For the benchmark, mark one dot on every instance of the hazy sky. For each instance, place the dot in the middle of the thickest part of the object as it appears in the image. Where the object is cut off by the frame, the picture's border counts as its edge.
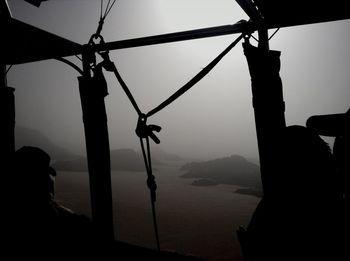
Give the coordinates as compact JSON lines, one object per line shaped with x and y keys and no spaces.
{"x":213,"y":119}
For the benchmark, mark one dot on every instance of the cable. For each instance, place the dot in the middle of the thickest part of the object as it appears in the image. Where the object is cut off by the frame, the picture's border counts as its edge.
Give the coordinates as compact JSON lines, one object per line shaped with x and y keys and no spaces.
{"x":101,"y":9}
{"x":127,"y":91}
{"x":104,"y":16}
{"x":78,"y":58}
{"x":110,"y":8}
{"x":8,"y":69}
{"x":61,"y":59}
{"x":102,"y":19}
{"x":257,"y":40}
{"x":274,"y":33}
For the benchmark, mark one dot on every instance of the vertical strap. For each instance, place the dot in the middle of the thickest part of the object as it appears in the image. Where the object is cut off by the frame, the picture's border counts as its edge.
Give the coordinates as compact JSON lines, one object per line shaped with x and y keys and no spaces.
{"x":151,"y":183}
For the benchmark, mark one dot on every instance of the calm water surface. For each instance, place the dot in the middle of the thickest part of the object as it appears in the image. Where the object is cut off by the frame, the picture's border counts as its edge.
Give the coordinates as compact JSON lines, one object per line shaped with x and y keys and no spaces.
{"x":192,"y":220}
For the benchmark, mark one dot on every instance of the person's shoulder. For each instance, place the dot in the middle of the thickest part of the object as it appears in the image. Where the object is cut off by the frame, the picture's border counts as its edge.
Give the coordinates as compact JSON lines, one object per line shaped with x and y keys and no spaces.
{"x":73,"y":228}
{"x":67,"y":215}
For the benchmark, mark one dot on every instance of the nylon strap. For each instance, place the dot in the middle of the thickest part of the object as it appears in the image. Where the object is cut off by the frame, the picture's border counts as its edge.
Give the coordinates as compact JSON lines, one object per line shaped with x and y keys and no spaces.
{"x":199,"y":76}
{"x":127,"y":91}
{"x":194,"y":80}
{"x":151,"y":183}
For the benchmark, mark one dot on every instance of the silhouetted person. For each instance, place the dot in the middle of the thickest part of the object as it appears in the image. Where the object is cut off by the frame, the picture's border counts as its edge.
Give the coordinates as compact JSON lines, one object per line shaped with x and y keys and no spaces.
{"x":297,"y":220}
{"x":338,"y":126}
{"x":37,"y":221}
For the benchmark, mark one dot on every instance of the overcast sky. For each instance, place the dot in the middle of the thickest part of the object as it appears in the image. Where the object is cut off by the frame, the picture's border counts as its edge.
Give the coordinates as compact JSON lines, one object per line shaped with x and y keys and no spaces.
{"x":215,"y":118}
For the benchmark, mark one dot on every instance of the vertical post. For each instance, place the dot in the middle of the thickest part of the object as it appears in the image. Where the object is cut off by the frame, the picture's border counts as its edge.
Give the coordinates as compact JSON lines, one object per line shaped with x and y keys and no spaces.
{"x":97,"y":149}
{"x":263,"y":38}
{"x":264,"y":66}
{"x":7,"y":118}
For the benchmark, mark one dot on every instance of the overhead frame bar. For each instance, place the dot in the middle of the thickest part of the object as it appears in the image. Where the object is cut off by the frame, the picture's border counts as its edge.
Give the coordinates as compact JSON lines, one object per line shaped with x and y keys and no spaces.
{"x":256,"y":23}
{"x":77,"y":49}
{"x":239,"y":27}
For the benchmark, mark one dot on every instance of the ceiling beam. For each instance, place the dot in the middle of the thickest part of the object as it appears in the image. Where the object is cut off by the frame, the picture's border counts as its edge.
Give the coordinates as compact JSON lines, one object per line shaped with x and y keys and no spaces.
{"x":250,"y":9}
{"x":239,"y":27}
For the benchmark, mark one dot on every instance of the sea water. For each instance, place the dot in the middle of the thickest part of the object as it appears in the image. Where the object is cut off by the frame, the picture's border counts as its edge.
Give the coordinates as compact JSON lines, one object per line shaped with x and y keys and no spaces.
{"x":200,"y":221}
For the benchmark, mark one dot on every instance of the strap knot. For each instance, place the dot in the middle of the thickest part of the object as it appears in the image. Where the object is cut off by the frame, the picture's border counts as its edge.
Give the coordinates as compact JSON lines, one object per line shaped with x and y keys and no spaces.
{"x":144,"y":131}
{"x":151,"y":184}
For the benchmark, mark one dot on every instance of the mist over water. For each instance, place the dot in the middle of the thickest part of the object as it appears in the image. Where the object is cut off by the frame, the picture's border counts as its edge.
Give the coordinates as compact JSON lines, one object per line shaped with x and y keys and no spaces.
{"x":192,"y":220}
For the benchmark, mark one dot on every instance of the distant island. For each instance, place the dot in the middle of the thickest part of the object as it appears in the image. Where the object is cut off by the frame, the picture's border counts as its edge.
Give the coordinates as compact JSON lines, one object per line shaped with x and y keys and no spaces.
{"x":257,"y":192}
{"x":162,"y":156}
{"x":233,"y":170}
{"x":65,"y":160}
{"x":204,"y":183}
{"x":30,"y":137}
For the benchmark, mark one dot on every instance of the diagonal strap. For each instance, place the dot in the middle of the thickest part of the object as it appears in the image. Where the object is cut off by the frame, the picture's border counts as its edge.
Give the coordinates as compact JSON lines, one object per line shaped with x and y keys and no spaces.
{"x":195,"y":79}
{"x":109,"y":66}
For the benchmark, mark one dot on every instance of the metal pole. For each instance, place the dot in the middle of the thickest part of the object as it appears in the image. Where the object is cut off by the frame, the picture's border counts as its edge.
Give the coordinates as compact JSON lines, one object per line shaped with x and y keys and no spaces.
{"x":98,"y":151}
{"x":263,"y":37}
{"x":268,"y":104}
{"x":7,"y":118}
{"x":239,"y":27}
